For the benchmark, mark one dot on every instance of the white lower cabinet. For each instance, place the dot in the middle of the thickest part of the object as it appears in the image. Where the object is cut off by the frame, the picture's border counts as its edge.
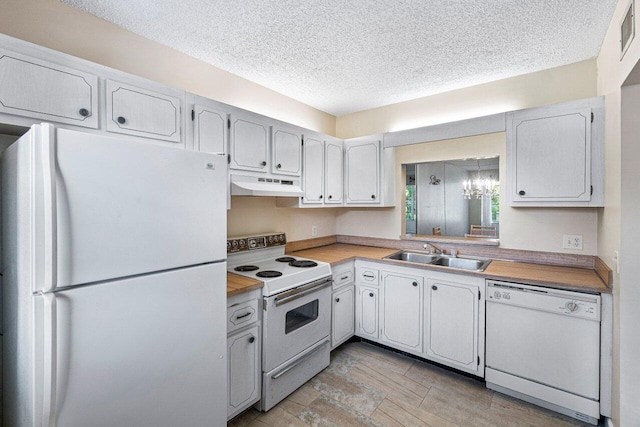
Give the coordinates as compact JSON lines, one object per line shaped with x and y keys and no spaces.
{"x":342,"y":326}
{"x":431,"y":314}
{"x":453,"y":333}
{"x":244,"y":353}
{"x":367,"y":312}
{"x":401,"y":310}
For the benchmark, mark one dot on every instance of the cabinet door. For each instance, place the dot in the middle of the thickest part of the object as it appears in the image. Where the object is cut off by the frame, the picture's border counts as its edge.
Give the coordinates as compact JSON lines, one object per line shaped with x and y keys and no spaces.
{"x":243,"y":359}
{"x":334,"y":187}
{"x":42,"y":90}
{"x":342,"y":326}
{"x":362,"y":169}
{"x":249,"y":143}
{"x":313,"y":171}
{"x":135,"y":111}
{"x":287,"y":147}
{"x":210,"y":129}
{"x":367,"y":312}
{"x":452,"y":324}
{"x":401,"y":313}
{"x":549,"y":151}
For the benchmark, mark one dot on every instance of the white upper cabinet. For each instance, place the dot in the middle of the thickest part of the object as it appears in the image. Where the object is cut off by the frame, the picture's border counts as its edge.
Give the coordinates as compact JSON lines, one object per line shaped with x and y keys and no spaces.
{"x":453,"y":322}
{"x":287,"y":149}
{"x":554,"y":155}
{"x":362,"y":171}
{"x":249,"y":142}
{"x":38,"y":89}
{"x":135,"y":111}
{"x":401,"y":310}
{"x":209,"y":129}
{"x":334,"y":170}
{"x":313,"y":170}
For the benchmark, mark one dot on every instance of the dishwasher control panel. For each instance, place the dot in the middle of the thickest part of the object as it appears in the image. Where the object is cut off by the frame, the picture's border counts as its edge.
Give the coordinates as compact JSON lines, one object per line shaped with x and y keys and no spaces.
{"x":575,"y":304}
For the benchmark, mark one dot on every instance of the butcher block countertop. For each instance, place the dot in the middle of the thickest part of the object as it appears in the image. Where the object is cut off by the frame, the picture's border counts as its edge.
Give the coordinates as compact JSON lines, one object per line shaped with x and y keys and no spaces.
{"x":239,"y":284}
{"x":569,"y":278}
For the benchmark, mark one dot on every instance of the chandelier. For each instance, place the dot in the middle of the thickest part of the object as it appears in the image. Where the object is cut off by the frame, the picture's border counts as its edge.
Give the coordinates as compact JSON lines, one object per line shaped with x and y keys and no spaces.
{"x":479,"y":187}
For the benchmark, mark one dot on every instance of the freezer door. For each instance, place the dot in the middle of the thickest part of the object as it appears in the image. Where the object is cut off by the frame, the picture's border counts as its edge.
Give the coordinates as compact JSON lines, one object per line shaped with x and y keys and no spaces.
{"x":125,"y":208}
{"x":148,"y":351}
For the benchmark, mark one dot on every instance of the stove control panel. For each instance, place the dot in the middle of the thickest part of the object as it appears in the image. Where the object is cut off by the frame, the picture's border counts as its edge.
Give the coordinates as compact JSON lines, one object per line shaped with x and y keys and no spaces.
{"x":248,"y":243}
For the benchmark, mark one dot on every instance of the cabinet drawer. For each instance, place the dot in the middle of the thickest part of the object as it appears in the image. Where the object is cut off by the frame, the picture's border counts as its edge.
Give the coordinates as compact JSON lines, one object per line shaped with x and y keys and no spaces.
{"x":342,"y":278}
{"x":241,"y":315}
{"x":135,"y":111}
{"x":41,"y":90}
{"x":368,"y":276}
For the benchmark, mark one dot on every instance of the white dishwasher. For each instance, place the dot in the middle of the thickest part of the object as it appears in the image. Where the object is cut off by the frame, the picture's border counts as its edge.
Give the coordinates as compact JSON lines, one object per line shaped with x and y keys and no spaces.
{"x":543,"y":346}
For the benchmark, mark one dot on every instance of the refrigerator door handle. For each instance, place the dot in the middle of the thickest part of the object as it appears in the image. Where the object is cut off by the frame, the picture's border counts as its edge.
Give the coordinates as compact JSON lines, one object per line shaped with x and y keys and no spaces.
{"x":50,"y":360}
{"x":48,"y":156}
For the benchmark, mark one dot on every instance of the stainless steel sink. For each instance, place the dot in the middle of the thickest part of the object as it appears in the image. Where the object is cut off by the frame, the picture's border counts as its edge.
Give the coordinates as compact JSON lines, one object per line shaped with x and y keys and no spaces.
{"x":414,"y":257}
{"x":462,"y":263}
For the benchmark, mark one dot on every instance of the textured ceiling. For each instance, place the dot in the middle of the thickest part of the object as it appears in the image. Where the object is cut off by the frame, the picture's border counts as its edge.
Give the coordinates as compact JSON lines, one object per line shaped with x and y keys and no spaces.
{"x":345,"y":56}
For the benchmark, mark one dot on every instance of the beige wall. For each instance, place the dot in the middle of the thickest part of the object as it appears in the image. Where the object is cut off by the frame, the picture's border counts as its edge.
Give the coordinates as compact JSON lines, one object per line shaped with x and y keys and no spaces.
{"x":560,"y":84}
{"x":520,"y":228}
{"x":55,"y":25}
{"x":249,"y":215}
{"x":612,"y":72}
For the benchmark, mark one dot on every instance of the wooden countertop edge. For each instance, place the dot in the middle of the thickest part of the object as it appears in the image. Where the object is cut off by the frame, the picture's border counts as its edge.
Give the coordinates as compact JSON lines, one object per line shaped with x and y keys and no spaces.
{"x":534,"y":281}
{"x":239,"y":284}
{"x":605,"y":273}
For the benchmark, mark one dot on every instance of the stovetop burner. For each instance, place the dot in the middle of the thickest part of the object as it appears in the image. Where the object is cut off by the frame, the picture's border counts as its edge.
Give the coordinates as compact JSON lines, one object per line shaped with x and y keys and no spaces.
{"x":285,"y":259}
{"x":304,"y":263}
{"x":269,"y":273}
{"x":246,"y":268}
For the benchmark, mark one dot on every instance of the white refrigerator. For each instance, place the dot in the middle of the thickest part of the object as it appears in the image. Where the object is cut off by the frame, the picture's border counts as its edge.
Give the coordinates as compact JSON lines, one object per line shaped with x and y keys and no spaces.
{"x":113,"y":283}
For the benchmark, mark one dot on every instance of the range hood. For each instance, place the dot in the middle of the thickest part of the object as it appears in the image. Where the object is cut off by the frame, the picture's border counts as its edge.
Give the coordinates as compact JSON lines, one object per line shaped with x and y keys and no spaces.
{"x":242,"y":185}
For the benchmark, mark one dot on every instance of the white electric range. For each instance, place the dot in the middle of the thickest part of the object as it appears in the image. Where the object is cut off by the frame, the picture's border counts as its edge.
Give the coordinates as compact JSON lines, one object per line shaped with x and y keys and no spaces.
{"x":296,"y":312}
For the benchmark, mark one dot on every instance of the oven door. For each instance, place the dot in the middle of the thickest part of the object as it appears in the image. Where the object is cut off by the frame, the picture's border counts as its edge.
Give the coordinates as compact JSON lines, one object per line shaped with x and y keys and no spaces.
{"x":294,"y":321}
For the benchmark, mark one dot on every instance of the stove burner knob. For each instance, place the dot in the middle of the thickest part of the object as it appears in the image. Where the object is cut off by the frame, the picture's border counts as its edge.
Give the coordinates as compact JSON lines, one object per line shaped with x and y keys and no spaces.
{"x":270,"y":239}
{"x":282,"y":237}
{"x":572,"y":306}
{"x":228,"y":245}
{"x":234,"y":243}
{"x":241,"y":243}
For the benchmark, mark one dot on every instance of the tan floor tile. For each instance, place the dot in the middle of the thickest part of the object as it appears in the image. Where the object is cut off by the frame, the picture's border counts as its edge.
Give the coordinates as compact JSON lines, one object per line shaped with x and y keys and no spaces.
{"x":434,"y":376}
{"x":367,"y":376}
{"x":245,"y":418}
{"x":385,"y":419}
{"x":403,"y":381}
{"x":291,"y":407}
{"x":257,"y":423}
{"x":325,"y":411}
{"x":423,"y":415}
{"x":278,"y":417}
{"x":401,"y":416}
{"x":459,"y":408}
{"x":304,"y":395}
{"x":364,"y":350}
{"x":357,"y":396}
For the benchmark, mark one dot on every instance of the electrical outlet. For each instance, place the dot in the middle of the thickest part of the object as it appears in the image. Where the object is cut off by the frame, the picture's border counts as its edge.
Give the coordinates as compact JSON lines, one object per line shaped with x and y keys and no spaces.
{"x":314,"y":230}
{"x":570,"y":241}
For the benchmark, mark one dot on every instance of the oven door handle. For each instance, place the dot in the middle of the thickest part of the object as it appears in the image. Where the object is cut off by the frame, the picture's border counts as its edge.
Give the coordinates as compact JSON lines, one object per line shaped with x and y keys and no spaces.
{"x":301,"y":358}
{"x":302,"y":291}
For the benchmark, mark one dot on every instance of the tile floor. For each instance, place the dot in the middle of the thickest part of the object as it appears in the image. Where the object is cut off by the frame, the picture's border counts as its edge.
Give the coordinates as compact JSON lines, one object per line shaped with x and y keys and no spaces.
{"x":366,"y":385}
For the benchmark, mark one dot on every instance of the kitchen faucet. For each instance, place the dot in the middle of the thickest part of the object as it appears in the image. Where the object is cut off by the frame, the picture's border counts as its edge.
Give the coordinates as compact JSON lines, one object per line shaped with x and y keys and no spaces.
{"x":432,"y":249}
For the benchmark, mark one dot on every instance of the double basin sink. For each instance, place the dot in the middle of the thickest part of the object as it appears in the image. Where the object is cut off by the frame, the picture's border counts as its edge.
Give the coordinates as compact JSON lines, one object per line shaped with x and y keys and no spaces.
{"x":462,"y":263}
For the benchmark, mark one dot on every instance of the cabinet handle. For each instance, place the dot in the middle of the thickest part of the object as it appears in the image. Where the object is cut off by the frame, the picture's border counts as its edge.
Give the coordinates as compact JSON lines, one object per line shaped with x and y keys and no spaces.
{"x":371,"y":294}
{"x":434,"y":287}
{"x":264,"y":163}
{"x":373,"y":196}
{"x":321,"y":196}
{"x":522,"y":192}
{"x":278,"y":166}
{"x":252,"y":339}
{"x":344,"y":277}
{"x":243,"y":316}
{"x":84,"y":112}
{"x":415,"y":283}
{"x":368,"y":276}
{"x":337,"y":299}
{"x":121,"y":120}
{"x":330,"y":197}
